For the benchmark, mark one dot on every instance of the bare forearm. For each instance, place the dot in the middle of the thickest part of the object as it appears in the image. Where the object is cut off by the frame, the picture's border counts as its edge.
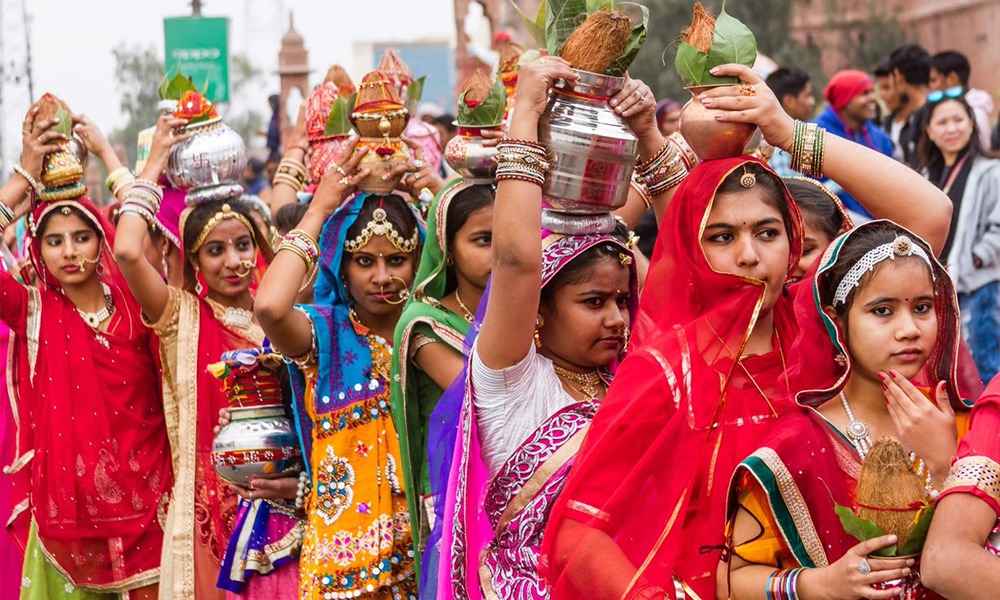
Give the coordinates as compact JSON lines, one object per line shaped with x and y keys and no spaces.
{"x":955,"y":561}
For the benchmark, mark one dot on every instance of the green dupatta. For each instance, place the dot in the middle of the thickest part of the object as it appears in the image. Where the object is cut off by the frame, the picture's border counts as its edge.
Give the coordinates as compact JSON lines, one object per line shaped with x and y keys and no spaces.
{"x":423,"y":313}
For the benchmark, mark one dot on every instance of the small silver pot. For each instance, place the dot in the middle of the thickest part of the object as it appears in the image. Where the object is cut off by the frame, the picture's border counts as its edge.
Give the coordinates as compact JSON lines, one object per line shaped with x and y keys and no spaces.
{"x":210,"y":164}
{"x":257,"y":442}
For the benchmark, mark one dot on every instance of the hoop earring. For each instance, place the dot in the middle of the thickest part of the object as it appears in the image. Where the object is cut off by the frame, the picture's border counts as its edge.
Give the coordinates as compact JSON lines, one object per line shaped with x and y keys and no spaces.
{"x":538,"y":339}
{"x":404,"y":294}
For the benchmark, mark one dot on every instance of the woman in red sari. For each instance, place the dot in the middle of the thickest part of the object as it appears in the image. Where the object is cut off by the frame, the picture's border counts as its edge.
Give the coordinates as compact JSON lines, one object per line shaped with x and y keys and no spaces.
{"x":92,"y":472}
{"x":644,"y":508}
{"x":211,"y":315}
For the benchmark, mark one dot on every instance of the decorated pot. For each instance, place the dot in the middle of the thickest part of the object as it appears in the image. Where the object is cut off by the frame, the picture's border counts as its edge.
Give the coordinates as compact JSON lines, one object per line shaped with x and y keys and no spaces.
{"x":472,"y":160}
{"x":708,"y":138}
{"x":592,"y":154}
{"x":383,"y":155}
{"x":908,"y":587}
{"x":209,"y":165}
{"x":62,"y":175}
{"x":258,"y":442}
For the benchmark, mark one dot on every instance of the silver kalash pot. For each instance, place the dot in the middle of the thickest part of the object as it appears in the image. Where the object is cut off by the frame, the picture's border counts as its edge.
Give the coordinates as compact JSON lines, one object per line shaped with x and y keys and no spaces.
{"x":472,"y":160}
{"x":210,"y":164}
{"x":257,"y":442}
{"x":592,"y":154}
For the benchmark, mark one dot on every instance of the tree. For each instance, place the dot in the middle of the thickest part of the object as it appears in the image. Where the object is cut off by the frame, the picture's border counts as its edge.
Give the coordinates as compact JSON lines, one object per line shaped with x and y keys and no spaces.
{"x":138,"y":72}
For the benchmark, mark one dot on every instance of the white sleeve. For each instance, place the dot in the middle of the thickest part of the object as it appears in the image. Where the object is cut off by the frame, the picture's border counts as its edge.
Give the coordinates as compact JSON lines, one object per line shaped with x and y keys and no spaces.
{"x":499,"y":389}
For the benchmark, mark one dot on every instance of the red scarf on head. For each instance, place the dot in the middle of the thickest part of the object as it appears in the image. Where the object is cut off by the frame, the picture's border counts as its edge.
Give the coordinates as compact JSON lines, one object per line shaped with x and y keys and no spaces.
{"x":650,"y":480}
{"x":90,"y":409}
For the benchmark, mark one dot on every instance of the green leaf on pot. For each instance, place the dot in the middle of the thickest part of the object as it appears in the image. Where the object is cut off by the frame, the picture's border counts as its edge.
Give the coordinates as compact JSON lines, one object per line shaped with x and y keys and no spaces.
{"x":860,"y":529}
{"x":562,"y":17}
{"x":172,"y":88}
{"x":535,"y":27}
{"x":596,"y":5}
{"x":339,"y":121}
{"x":414,"y":93}
{"x":733,"y":43}
{"x":918,"y":532}
{"x":690,"y":64}
{"x":490,"y":112}
{"x":639,"y":15}
{"x":65,"y":124}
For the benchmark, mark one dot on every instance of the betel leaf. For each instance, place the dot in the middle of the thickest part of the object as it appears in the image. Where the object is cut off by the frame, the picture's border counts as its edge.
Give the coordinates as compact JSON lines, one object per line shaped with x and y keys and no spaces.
{"x":414,"y":93}
{"x":639,"y":15}
{"x":690,"y":64}
{"x":339,"y":121}
{"x":918,"y":532}
{"x":562,"y":17}
{"x":65,"y":124}
{"x":733,"y":43}
{"x":490,"y":112}
{"x":172,"y":88}
{"x":535,"y":27}
{"x":860,"y":529}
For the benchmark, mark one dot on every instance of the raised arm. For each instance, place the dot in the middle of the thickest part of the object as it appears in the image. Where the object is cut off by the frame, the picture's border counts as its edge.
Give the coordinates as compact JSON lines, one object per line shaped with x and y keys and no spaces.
{"x":516,"y":282}
{"x":288,"y":329}
{"x":147,"y":286}
{"x":282,"y":193}
{"x":887,"y":188}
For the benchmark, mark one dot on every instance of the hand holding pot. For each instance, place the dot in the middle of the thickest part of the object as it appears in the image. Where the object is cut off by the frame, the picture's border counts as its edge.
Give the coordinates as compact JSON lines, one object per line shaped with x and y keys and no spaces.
{"x":340,"y":181}
{"x":534,"y":81}
{"x":750,"y":102}
{"x":636,"y":104}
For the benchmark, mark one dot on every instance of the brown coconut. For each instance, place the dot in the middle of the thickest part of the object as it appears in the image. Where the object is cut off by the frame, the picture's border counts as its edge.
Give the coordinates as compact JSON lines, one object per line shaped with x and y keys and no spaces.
{"x":510,"y":55}
{"x":477,"y":88}
{"x":339,"y":77}
{"x":598,"y":41}
{"x":701,"y":32}
{"x":889,"y":493}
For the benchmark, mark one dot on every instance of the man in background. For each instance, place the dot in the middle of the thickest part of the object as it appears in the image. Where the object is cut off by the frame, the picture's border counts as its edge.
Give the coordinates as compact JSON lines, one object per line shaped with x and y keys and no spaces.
{"x":793,"y":88}
{"x":911,"y":69}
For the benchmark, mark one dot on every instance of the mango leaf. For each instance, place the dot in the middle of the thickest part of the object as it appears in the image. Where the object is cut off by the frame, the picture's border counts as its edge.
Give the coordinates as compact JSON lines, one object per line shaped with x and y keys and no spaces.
{"x":639,"y":15}
{"x":690,"y":64}
{"x":535,"y":27}
{"x":339,"y":121}
{"x":563,"y":16}
{"x":65,"y":124}
{"x":172,"y":88}
{"x":861,"y":529}
{"x":918,"y":532}
{"x":490,"y":112}
{"x":733,"y":43}
{"x":596,"y":5}
{"x":414,"y":93}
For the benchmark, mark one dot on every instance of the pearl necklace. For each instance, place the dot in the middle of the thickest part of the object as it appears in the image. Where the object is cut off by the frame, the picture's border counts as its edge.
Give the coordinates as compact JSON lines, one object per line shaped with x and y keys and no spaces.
{"x":857,"y":430}
{"x":590,"y":383}
{"x":94,"y":319}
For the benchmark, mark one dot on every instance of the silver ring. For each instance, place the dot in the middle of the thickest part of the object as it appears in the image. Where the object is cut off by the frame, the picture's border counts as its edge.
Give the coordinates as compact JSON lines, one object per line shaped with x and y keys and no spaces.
{"x":25,"y":131}
{"x":340,"y":170}
{"x":864,"y":567}
{"x":419,"y":164}
{"x":39,"y":138}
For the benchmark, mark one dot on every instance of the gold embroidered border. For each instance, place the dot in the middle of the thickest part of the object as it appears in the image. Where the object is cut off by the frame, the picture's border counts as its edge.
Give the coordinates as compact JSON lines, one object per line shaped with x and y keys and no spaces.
{"x":796,"y":504}
{"x":979,"y":472}
{"x":139,"y":580}
{"x":33,"y":328}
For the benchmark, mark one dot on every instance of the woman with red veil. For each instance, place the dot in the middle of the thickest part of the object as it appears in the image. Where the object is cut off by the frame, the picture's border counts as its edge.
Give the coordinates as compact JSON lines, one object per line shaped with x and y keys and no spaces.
{"x":91,"y":475}
{"x":643,"y":512}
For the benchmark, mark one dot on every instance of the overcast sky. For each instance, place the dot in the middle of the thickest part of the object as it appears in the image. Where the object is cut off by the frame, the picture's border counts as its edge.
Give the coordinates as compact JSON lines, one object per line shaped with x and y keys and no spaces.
{"x":72,"y":40}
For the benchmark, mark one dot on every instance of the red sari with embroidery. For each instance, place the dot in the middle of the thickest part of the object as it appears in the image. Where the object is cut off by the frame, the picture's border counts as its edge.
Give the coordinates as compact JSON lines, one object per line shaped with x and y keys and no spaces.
{"x":645,"y":501}
{"x":92,"y":463}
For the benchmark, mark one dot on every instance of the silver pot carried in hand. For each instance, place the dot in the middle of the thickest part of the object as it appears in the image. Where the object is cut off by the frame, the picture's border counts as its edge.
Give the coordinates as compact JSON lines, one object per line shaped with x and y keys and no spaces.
{"x":257,"y":442}
{"x":592,"y":153}
{"x":210,"y":164}
{"x":472,"y":160}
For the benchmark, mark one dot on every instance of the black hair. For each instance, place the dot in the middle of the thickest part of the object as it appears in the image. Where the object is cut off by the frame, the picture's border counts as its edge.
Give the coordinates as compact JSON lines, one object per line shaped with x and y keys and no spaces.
{"x":787,"y":81}
{"x":913,"y":63}
{"x":463,"y":205}
{"x":884,"y":69}
{"x":950,"y":61}
{"x":816,"y":205}
{"x":578,"y":269}
{"x":195,"y":222}
{"x":77,"y":212}
{"x":853,"y":249}
{"x":774,"y":189}
{"x":928,"y":154}
{"x":447,"y":121}
{"x":397,"y":213}
{"x":288,"y":216}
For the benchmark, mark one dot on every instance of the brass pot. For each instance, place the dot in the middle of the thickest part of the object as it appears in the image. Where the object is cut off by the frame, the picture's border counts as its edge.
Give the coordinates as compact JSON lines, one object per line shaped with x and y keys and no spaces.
{"x":708,"y":138}
{"x":380,"y":162}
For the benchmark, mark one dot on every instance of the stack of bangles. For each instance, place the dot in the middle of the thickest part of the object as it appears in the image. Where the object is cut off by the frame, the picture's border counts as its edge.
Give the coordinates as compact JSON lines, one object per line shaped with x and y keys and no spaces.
{"x":521,"y":160}
{"x":143,"y":200}
{"x":292,"y":173}
{"x":6,"y":215}
{"x":781,"y":584}
{"x":118,"y":180}
{"x":302,"y":244}
{"x":664,"y":171}
{"x":808,"y":143}
{"x":34,"y":183}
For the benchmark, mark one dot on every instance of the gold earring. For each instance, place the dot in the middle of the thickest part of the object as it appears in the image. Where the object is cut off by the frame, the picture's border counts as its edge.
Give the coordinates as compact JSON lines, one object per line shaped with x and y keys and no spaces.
{"x":538,"y":339}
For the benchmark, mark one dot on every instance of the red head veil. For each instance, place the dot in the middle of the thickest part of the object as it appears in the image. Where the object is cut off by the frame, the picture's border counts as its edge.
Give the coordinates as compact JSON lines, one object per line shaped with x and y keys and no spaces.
{"x":646,"y":498}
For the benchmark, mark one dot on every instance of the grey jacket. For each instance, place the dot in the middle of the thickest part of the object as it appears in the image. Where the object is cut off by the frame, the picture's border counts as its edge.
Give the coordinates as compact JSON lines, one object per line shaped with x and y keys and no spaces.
{"x":978,"y":229}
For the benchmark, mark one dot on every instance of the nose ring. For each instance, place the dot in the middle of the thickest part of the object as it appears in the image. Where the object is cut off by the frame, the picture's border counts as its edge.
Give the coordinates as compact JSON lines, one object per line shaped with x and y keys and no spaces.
{"x":248,"y":266}
{"x":404,"y":292}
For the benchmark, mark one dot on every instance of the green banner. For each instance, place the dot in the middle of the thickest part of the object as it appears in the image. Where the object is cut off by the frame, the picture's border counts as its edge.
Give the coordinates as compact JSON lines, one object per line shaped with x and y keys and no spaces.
{"x":199,"y":47}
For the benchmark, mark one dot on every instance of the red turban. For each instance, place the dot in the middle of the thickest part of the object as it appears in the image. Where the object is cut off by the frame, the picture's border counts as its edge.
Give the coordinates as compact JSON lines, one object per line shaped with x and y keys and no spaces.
{"x":846,"y":85}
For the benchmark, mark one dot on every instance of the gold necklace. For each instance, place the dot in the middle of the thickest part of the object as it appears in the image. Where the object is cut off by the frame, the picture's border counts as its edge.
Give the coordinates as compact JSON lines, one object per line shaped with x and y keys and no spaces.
{"x":468,"y":313}
{"x":590,"y":383}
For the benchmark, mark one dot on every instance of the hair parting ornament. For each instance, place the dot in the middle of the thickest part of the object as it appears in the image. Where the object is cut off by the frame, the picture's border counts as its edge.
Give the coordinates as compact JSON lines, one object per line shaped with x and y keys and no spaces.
{"x":901,"y":246}
{"x":380,"y":225}
{"x":227,"y":212}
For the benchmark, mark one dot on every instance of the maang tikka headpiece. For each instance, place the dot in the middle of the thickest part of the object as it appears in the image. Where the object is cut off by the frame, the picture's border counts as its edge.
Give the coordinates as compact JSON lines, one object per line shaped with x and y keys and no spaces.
{"x":380,"y":225}
{"x":901,"y":246}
